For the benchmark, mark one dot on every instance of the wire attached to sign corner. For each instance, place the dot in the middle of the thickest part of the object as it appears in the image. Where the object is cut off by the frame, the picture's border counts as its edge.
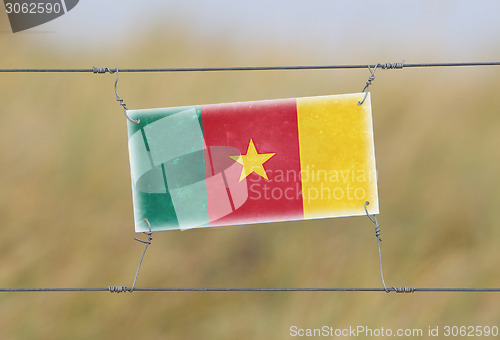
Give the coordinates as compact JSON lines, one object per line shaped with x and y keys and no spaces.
{"x":377,"y":234}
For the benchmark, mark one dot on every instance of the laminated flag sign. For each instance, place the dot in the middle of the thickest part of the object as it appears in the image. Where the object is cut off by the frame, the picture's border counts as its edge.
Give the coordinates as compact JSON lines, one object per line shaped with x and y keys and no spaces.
{"x":252,"y":162}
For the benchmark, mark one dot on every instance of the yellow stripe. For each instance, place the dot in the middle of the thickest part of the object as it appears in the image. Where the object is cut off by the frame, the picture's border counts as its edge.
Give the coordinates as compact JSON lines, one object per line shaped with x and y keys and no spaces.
{"x":337,"y":156}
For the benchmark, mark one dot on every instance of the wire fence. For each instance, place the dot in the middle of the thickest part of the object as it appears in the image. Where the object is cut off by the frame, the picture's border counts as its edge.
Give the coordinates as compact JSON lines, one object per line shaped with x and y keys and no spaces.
{"x":371,"y":67}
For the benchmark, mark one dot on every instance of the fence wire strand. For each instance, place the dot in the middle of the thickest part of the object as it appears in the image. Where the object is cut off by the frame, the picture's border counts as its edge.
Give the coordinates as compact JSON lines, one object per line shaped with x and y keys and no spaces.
{"x":398,"y":65}
{"x":173,"y":289}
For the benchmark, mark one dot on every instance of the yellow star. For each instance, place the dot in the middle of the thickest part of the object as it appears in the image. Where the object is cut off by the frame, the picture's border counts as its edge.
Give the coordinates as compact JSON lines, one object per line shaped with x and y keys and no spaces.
{"x":253,"y":161}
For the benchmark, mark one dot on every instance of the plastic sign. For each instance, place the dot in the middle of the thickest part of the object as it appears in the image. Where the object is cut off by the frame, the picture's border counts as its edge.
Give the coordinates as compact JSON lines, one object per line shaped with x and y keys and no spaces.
{"x":252,"y":162}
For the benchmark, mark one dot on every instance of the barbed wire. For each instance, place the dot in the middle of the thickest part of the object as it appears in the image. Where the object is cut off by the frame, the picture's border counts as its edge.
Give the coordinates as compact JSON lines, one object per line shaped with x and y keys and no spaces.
{"x":398,"y":65}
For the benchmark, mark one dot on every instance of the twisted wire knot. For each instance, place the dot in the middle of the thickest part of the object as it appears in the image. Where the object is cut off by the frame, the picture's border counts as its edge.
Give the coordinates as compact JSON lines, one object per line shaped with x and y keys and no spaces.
{"x":392,"y":66}
{"x":117,"y":289}
{"x":374,"y":220}
{"x":122,"y":103}
{"x":120,"y":100}
{"x":149,"y":234}
{"x":368,"y":83}
{"x":378,"y":232}
{"x":385,"y":66}
{"x":402,"y":289}
{"x":103,"y":70}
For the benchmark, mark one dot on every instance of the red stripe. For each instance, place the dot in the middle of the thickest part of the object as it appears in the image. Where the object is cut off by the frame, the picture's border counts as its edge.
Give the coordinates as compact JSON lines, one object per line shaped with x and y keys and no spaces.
{"x":272,"y":125}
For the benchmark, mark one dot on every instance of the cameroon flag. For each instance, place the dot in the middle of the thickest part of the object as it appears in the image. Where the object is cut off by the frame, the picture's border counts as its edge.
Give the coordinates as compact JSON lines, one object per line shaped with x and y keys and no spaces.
{"x":252,"y":162}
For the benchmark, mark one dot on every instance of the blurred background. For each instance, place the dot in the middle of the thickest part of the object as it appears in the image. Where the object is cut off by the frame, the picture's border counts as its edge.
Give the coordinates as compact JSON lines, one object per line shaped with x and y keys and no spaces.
{"x":65,"y":196}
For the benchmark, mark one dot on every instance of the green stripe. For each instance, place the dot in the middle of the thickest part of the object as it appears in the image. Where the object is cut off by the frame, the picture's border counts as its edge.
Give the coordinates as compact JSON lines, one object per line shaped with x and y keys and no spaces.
{"x":157,"y":207}
{"x":170,"y":187}
{"x":148,"y":116}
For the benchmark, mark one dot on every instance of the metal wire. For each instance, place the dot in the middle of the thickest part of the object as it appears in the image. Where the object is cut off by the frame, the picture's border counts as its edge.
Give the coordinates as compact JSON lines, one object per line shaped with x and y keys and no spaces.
{"x":117,"y":96}
{"x":173,"y":289}
{"x":251,"y":68}
{"x":365,"y":90}
{"x":377,"y":235}
{"x":147,"y":243}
